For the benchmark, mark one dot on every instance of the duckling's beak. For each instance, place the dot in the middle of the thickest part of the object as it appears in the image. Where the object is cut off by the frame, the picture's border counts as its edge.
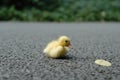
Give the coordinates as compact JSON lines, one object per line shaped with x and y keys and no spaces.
{"x":70,"y":46}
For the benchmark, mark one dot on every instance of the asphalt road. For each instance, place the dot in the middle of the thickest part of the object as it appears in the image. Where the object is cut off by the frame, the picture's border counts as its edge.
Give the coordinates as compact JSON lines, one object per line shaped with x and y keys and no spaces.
{"x":21,"y":56}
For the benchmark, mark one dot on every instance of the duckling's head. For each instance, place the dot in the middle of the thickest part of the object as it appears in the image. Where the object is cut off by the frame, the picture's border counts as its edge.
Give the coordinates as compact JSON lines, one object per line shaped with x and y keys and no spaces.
{"x":64,"y":41}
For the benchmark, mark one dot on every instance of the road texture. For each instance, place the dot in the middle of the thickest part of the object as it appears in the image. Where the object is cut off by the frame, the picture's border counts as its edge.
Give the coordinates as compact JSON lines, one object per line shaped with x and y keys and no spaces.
{"x":21,"y":56}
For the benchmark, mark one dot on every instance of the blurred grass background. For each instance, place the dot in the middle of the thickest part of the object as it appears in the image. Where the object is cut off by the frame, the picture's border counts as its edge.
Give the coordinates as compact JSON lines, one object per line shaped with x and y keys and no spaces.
{"x":60,"y":10}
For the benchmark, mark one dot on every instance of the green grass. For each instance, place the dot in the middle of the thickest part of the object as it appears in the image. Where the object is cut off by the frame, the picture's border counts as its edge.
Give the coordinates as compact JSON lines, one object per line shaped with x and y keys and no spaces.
{"x":62,"y":11}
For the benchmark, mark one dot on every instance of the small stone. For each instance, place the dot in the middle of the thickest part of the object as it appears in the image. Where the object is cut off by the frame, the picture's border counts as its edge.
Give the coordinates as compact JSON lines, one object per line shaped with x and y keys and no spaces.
{"x":103,"y":62}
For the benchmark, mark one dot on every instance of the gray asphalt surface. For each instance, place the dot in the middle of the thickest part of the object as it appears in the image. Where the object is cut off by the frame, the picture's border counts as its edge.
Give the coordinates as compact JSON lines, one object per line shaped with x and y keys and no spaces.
{"x":21,"y":56}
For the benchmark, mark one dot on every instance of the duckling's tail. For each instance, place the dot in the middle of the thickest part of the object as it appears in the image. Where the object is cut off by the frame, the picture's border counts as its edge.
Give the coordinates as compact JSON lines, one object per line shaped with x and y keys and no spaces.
{"x":45,"y":51}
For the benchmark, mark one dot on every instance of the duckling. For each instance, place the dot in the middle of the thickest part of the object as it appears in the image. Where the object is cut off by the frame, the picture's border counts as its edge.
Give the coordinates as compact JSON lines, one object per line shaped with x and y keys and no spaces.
{"x":58,"y":48}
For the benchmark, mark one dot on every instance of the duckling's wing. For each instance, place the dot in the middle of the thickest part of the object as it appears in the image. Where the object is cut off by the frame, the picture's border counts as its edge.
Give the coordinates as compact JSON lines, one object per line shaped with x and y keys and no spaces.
{"x":49,"y":46}
{"x":56,"y":52}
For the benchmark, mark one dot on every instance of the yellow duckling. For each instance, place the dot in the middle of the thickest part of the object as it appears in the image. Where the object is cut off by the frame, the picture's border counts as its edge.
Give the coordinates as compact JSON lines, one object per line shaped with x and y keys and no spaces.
{"x":58,"y":48}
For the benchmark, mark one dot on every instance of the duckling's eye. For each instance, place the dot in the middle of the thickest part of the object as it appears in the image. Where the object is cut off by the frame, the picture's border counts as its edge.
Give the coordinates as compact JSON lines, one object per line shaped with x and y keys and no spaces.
{"x":66,"y":41}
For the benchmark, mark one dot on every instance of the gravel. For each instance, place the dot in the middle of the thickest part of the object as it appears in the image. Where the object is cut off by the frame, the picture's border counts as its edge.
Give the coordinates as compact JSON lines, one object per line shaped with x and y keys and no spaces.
{"x":21,"y":56}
